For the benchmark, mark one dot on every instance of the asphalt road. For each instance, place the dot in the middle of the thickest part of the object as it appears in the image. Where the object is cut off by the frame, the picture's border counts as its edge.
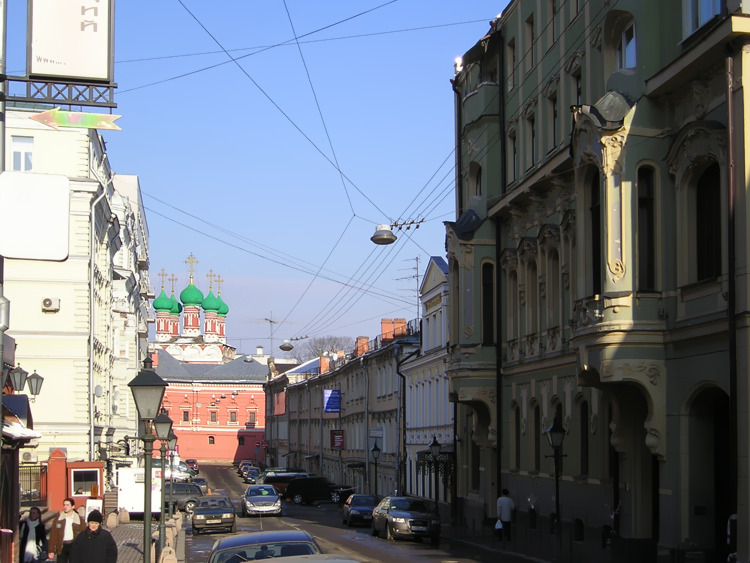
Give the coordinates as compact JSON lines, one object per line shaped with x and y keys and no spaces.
{"x":323,"y":521}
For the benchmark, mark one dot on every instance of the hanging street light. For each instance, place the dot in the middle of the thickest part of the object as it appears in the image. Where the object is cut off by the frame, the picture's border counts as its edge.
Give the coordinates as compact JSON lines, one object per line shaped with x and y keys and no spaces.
{"x":383,"y":235}
{"x":18,"y":377}
{"x":555,"y":435}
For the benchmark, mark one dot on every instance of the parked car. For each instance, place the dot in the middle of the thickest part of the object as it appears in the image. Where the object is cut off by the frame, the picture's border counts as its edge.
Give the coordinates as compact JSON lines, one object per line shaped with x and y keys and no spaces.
{"x":251,"y":475}
{"x":262,"y":545}
{"x":184,"y":495}
{"x":202,"y":483}
{"x":279,"y":480}
{"x":242,"y":464}
{"x":304,"y":490}
{"x":213,"y":512}
{"x":261,"y":499}
{"x":193,"y":464}
{"x":357,"y":509}
{"x":405,"y":517}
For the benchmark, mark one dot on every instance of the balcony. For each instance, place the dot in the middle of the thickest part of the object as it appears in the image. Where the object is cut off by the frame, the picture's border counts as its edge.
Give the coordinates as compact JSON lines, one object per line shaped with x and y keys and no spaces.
{"x":484,"y":101}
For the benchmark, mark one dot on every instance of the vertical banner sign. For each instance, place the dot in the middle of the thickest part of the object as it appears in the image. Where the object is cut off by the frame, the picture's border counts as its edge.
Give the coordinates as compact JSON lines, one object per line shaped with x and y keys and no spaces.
{"x":332,"y":400}
{"x":71,"y":39}
{"x":337,"y":439}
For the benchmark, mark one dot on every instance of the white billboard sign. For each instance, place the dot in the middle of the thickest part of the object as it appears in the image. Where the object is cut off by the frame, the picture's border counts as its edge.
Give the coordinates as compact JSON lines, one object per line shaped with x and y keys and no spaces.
{"x":36,"y":216}
{"x":70,"y":39}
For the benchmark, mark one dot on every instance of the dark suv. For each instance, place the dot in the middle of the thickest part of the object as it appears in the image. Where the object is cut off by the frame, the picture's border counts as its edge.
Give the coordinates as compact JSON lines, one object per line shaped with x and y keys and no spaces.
{"x":184,"y":495}
{"x":310,"y":489}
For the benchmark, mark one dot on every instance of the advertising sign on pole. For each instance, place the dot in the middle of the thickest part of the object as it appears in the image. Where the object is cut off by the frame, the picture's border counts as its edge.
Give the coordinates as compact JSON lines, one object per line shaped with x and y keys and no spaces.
{"x":337,"y":439}
{"x":332,"y":400}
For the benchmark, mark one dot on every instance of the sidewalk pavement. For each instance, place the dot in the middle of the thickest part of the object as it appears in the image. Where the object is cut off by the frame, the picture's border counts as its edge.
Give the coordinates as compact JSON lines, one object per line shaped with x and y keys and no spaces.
{"x":129,"y":539}
{"x":486,"y":539}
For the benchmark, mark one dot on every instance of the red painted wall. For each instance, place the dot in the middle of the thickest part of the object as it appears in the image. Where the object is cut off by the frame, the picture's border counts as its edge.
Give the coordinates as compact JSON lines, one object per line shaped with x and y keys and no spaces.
{"x":233,"y":417}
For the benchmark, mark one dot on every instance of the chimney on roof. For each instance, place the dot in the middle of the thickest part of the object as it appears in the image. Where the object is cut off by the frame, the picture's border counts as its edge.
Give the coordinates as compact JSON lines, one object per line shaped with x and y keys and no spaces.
{"x":259,"y":350}
{"x":392,"y":328}
{"x":325,"y":363}
{"x":362,"y":346}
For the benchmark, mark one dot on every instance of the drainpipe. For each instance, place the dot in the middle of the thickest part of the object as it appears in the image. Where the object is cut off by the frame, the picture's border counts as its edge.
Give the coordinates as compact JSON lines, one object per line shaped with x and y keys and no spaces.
{"x":731,"y":297}
{"x":498,"y":277}
{"x":92,"y":235}
{"x":401,"y":418}
{"x":367,"y":423}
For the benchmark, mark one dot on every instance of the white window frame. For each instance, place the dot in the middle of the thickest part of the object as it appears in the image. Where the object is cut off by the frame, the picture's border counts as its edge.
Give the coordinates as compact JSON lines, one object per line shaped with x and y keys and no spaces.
{"x":22,"y":150}
{"x":627,"y":48}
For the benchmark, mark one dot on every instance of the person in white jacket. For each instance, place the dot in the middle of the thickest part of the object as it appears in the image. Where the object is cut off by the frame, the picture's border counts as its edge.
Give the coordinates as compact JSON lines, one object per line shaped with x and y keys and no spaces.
{"x":505,"y":508}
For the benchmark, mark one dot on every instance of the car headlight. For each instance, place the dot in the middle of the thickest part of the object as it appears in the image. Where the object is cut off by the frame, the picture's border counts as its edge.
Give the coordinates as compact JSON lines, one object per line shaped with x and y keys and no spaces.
{"x":228,"y":515}
{"x":400,"y":520}
{"x":354,"y":512}
{"x":278,"y":502}
{"x":199,"y":517}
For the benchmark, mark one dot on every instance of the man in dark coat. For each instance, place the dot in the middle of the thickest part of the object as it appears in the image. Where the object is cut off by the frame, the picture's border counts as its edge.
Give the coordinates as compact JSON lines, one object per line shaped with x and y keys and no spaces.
{"x":94,"y":544}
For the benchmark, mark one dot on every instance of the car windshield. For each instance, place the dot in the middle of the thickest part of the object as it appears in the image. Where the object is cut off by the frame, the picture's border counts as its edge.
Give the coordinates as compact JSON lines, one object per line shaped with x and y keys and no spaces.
{"x":409,"y":505}
{"x":261,"y":491}
{"x":265,"y":551}
{"x":214,"y":503}
{"x":363,"y":501}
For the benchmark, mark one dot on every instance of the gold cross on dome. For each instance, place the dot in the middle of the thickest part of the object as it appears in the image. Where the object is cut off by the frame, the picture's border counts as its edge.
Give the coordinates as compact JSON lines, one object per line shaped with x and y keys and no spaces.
{"x":192,"y":261}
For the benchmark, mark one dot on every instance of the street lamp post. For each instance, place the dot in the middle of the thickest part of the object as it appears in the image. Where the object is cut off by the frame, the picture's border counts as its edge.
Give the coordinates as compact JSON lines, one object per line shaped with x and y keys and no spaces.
{"x":148,"y":390}
{"x":435,"y":451}
{"x":172,"y":446}
{"x":163,"y":426}
{"x":375,"y":451}
{"x":555,"y":435}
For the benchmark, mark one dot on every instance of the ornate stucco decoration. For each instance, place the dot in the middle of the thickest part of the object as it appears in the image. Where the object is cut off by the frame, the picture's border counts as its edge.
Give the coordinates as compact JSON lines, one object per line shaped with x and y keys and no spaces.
{"x":527,"y":250}
{"x":569,"y":385}
{"x":549,"y":238}
{"x":482,"y":402}
{"x":649,"y":375}
{"x":588,"y":312}
{"x":573,"y":65}
{"x":568,"y":226}
{"x":694,"y":145}
{"x":528,"y":109}
{"x":509,"y":260}
{"x":550,"y":87}
{"x":700,"y":97}
{"x":612,"y":155}
{"x":470,"y":146}
{"x":510,"y":126}
{"x":596,"y":38}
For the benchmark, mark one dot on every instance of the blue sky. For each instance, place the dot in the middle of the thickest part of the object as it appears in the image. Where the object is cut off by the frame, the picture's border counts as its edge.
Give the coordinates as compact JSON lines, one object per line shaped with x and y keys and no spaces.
{"x":274,"y":168}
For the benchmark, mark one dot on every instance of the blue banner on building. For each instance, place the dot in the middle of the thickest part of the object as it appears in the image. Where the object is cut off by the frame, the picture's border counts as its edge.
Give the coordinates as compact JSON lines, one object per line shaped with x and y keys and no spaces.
{"x":332,"y":400}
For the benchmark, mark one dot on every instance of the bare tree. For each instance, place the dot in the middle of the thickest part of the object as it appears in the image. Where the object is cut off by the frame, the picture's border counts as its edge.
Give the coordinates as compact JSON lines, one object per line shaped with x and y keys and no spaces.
{"x":310,"y":348}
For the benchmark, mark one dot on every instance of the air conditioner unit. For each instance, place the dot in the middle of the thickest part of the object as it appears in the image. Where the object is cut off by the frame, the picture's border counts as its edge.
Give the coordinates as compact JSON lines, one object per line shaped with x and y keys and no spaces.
{"x":29,"y":457}
{"x":50,"y":304}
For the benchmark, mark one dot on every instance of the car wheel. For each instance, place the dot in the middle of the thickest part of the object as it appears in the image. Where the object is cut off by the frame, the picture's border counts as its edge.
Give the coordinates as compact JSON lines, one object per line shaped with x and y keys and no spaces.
{"x":335,"y":496}
{"x":297,"y":499}
{"x":190,"y":506}
{"x":388,"y":534}
{"x":374,"y":532}
{"x":435,"y":540}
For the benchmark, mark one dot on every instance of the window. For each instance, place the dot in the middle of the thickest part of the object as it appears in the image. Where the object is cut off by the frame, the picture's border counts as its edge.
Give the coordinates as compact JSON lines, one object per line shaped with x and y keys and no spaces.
{"x":211,"y":440}
{"x":85,"y":482}
{"x":530,"y":44}
{"x":530,"y":141}
{"x":646,"y":236}
{"x":22,"y":149}
{"x":488,"y":304}
{"x":532,"y":302}
{"x":241,"y":440}
{"x":552,"y":10}
{"x":626,"y":48}
{"x":595,"y":236}
{"x":579,"y":5}
{"x":511,"y":64}
{"x":697,"y":13}
{"x":251,"y":418}
{"x":584,"y":437}
{"x":512,"y":158}
{"x":555,"y":115}
{"x":708,"y":224}
{"x":232,"y":416}
{"x":579,"y":89}
{"x":517,"y":437}
{"x":536,"y":435}
{"x":185,"y":416}
{"x":213,"y":416}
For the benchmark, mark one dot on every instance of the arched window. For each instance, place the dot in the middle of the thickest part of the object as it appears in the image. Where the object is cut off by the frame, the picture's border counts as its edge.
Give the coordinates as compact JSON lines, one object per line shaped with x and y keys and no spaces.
{"x":211,"y":440}
{"x":583,"y":437}
{"x":553,"y":289}
{"x":488,"y":304}
{"x":708,"y":224}
{"x":517,"y":437}
{"x":532,"y":300}
{"x":646,"y":230}
{"x":595,"y":234}
{"x":537,"y":438}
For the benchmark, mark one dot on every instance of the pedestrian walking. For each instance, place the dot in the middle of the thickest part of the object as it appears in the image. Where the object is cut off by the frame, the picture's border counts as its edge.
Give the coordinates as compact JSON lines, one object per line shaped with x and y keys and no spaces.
{"x":33,"y":546}
{"x":94,"y":544}
{"x":64,"y":530}
{"x":505,"y":509}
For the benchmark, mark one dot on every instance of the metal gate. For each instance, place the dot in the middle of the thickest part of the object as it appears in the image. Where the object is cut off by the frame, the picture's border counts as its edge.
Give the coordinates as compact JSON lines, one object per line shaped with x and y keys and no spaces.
{"x":33,"y":482}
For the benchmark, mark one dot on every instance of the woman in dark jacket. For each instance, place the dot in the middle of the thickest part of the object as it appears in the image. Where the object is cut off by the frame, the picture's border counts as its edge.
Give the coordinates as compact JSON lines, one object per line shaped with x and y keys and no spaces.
{"x":33,"y":546}
{"x":94,"y":544}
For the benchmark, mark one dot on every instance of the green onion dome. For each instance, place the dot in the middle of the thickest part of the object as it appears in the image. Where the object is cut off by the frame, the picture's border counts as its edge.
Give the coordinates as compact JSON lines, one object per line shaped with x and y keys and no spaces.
{"x":176,"y":306}
{"x":223,"y":308}
{"x":211,"y":304}
{"x":162,"y":303}
{"x":191,"y":295}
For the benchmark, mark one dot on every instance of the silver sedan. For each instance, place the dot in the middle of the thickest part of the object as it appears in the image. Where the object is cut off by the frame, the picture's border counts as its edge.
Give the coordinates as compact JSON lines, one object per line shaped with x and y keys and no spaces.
{"x":261,"y":499}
